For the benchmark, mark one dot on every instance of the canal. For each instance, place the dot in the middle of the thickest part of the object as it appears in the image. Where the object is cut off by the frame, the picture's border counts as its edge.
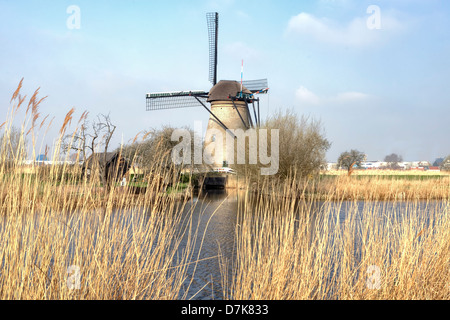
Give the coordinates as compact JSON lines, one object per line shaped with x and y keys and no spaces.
{"x":216,"y":214}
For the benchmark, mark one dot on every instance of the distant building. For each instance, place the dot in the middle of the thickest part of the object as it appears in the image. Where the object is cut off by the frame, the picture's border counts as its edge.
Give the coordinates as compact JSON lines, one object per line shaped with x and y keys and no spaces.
{"x":42,"y":157}
{"x":438,"y":162}
{"x":404,"y":165}
{"x":373,"y":164}
{"x":424,"y":164}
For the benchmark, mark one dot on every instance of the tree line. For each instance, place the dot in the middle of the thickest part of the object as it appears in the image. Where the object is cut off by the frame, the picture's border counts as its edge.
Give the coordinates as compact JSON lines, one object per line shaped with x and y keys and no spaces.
{"x":352,"y":159}
{"x":302,"y":146}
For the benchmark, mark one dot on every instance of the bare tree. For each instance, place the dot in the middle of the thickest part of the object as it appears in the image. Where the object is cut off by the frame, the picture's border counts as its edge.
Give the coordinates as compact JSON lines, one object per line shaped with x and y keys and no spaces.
{"x":103,"y":129}
{"x":79,"y":140}
{"x":349,"y":159}
{"x":92,"y":138}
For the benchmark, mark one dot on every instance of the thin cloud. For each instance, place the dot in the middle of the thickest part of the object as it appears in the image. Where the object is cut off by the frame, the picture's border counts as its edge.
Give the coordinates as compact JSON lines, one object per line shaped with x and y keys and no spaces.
{"x":303,"y":95}
{"x":307,"y":97}
{"x":355,"y":33}
{"x":350,"y":97}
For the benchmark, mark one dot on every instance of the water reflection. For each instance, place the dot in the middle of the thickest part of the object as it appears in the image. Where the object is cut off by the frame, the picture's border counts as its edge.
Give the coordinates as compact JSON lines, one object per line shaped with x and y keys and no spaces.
{"x":215,"y":213}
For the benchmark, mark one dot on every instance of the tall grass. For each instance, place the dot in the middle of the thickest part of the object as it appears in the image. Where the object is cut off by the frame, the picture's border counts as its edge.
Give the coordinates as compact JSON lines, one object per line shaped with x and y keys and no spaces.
{"x":57,"y":226}
{"x":294,"y":249}
{"x":379,"y":187}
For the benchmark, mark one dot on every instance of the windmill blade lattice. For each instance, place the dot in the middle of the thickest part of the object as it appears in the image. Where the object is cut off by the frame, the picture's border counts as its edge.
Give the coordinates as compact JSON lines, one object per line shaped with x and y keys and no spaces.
{"x":174,"y":100}
{"x":213,"y":30}
{"x":256,"y":86}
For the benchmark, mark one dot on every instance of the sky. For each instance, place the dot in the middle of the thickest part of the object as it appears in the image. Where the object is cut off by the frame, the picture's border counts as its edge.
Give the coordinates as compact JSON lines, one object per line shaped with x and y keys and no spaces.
{"x":374,"y":73}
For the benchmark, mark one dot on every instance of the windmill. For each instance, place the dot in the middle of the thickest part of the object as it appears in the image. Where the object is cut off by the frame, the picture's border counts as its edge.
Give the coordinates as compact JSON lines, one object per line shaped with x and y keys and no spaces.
{"x":230,"y":101}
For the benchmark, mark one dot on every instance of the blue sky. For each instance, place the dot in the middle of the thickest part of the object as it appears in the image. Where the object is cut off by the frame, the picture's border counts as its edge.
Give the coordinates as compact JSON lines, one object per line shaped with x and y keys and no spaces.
{"x":379,"y":90}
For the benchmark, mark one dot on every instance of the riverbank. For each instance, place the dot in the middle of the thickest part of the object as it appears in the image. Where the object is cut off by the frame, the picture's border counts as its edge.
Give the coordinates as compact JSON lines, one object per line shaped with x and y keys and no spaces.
{"x":135,"y":243}
{"x":382,"y":187}
{"x":363,"y":186}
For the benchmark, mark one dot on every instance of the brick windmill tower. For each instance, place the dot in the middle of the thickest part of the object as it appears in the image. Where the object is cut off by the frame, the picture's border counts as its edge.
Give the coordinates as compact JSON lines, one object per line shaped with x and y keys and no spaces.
{"x":230,"y":101}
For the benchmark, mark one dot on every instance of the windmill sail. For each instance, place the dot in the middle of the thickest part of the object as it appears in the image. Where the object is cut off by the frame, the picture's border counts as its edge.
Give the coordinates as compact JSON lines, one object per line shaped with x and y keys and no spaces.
{"x":213,"y":29}
{"x":176,"y":99}
{"x":256,"y":86}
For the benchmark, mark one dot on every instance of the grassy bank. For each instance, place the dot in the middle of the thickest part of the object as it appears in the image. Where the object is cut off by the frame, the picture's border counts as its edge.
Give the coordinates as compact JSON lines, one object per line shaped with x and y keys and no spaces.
{"x":381,"y":187}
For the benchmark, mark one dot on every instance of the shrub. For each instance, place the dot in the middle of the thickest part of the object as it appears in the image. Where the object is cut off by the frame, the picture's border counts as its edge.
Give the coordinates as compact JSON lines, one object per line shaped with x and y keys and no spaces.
{"x":302,"y":145}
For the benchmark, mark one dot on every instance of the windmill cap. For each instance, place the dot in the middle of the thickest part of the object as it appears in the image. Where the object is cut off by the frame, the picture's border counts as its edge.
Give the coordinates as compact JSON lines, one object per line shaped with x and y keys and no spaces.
{"x":224,"y":89}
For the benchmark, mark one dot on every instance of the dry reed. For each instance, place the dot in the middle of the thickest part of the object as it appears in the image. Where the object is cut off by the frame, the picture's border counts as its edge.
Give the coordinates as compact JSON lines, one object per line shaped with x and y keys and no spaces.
{"x":379,"y":187}
{"x":288,"y":248}
{"x":57,"y":227}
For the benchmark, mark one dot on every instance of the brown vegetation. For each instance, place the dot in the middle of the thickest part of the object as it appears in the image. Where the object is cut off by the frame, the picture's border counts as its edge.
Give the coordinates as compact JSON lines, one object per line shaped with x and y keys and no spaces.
{"x":292,"y":249}
{"x":54,"y":222}
{"x":55,"y":226}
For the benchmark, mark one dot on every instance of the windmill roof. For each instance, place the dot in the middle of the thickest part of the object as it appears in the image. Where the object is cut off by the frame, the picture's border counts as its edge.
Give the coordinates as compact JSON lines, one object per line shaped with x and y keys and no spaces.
{"x":224,"y":89}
